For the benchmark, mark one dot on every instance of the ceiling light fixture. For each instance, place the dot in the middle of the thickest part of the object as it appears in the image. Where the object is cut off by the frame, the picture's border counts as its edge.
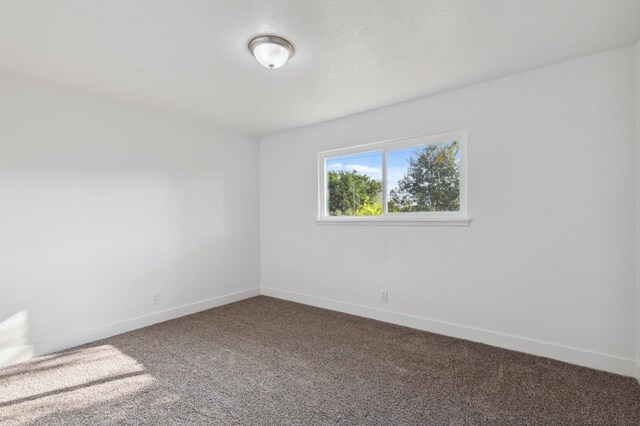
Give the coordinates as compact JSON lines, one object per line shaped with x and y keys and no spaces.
{"x":271,"y":51}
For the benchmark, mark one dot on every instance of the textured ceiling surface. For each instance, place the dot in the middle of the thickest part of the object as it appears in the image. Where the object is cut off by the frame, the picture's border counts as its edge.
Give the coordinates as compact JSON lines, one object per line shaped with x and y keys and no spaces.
{"x":189,"y":57}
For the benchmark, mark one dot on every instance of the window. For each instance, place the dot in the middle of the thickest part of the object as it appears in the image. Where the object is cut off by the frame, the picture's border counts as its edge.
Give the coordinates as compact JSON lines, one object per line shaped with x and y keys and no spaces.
{"x":419,"y":180}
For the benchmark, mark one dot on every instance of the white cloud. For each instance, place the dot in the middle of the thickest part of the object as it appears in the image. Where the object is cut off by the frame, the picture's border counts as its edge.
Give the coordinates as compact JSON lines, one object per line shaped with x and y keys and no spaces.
{"x":374,"y":172}
{"x":364,"y":169}
{"x":394,"y":174}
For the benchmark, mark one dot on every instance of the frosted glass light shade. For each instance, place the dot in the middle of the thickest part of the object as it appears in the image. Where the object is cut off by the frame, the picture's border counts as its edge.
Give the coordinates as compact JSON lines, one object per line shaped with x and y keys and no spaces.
{"x":271,"y":51}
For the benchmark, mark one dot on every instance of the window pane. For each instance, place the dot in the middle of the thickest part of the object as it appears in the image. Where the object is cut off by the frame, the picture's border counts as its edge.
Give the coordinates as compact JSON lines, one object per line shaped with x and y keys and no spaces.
{"x":424,"y":178}
{"x":354,"y":184}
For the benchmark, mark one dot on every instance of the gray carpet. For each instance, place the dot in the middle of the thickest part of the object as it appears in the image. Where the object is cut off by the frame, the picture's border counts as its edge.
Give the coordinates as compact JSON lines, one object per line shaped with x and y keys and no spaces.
{"x":267,"y":361}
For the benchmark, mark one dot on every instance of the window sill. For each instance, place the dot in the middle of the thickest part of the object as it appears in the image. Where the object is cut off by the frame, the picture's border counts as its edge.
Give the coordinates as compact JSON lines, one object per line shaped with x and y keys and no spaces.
{"x":376,"y":221}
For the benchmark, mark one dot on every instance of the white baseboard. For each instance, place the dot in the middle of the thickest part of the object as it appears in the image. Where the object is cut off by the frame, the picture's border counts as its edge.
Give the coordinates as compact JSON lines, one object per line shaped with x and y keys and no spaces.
{"x":582,"y":357}
{"x":16,"y":355}
{"x":23,"y":353}
{"x":638,"y":371}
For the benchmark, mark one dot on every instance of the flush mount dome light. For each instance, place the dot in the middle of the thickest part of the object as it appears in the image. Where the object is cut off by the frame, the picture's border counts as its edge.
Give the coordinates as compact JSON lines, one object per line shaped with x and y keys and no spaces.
{"x":271,"y":51}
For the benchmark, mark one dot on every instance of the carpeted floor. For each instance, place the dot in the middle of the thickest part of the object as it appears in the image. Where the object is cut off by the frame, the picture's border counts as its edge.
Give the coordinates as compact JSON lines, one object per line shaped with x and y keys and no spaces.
{"x":267,"y":361}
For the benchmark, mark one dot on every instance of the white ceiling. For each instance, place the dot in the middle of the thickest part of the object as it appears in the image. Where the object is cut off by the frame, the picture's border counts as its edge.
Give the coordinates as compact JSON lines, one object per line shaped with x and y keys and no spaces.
{"x":190,"y":56}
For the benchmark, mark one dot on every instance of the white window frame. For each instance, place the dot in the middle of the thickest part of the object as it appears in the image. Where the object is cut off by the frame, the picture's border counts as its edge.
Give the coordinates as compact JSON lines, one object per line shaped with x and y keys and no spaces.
{"x":459,"y":218}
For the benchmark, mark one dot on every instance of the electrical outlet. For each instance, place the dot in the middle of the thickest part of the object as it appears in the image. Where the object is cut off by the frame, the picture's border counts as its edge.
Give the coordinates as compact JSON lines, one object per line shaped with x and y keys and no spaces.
{"x":384,"y":296}
{"x":155,"y":299}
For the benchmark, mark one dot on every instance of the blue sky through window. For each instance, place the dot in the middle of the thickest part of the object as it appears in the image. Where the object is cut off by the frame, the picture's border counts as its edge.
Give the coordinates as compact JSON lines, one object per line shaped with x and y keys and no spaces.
{"x":366,"y":163}
{"x":370,"y":163}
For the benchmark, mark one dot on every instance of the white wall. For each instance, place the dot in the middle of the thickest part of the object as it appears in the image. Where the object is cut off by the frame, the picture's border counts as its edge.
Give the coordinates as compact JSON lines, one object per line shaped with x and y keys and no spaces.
{"x":103,"y":204}
{"x":547,"y":265}
{"x":638,"y":211}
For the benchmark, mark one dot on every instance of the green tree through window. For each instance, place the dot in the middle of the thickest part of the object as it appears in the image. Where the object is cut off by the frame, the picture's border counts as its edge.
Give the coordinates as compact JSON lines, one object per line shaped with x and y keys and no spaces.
{"x":431,"y":183}
{"x":353,"y":194}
